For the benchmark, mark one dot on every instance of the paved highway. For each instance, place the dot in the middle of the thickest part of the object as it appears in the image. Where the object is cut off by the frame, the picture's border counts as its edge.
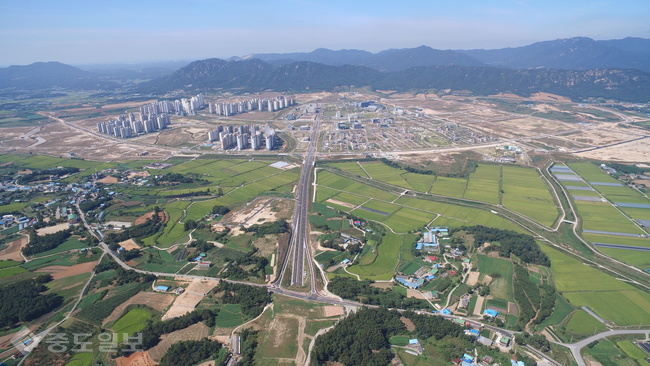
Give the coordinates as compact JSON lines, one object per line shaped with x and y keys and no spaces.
{"x":299,"y":252}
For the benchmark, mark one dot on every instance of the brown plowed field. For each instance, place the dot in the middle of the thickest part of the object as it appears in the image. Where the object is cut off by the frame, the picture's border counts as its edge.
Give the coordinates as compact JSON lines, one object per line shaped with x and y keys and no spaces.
{"x":59,"y":272}
{"x":13,"y":250}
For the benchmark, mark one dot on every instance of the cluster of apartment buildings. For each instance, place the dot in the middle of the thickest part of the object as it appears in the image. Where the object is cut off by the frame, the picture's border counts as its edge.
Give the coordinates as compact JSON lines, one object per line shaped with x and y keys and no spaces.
{"x":180,"y":107}
{"x":233,"y":108}
{"x":127,"y":126}
{"x":243,"y":137}
{"x":153,"y":117}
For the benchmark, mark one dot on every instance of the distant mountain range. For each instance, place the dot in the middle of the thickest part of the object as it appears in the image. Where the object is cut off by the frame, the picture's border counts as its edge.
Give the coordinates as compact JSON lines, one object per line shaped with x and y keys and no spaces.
{"x":47,"y":75}
{"x":578,"y":53}
{"x":575,"y":67}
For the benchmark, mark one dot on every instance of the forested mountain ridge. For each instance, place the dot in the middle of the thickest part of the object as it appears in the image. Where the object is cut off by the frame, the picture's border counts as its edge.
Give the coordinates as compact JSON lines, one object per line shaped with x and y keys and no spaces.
{"x":255,"y":76}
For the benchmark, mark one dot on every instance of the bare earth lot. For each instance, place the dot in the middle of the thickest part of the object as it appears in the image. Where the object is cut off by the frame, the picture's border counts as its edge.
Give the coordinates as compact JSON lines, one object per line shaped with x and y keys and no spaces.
{"x":52,"y":229}
{"x":129,"y":244}
{"x":187,"y":301}
{"x":136,"y":359}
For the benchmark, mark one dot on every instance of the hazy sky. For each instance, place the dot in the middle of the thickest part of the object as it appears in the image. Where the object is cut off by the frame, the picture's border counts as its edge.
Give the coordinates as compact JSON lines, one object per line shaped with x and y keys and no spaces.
{"x":101,"y":31}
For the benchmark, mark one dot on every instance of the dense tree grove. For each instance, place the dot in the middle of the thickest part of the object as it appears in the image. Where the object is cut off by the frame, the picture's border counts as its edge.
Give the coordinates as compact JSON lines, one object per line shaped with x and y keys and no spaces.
{"x":251,"y":298}
{"x":23,"y":302}
{"x":188,"y":353}
{"x":148,"y":228}
{"x":90,"y":205}
{"x":127,"y":255}
{"x":521,"y":245}
{"x":44,"y":174}
{"x":235,"y":271}
{"x":106,"y":265}
{"x":220,"y":210}
{"x":359,"y":339}
{"x":154,"y":329}
{"x":275,"y":227}
{"x":201,"y":245}
{"x":350,"y":288}
{"x":427,"y":326}
{"x":537,"y":341}
{"x":629,"y":169}
{"x":42,"y":243}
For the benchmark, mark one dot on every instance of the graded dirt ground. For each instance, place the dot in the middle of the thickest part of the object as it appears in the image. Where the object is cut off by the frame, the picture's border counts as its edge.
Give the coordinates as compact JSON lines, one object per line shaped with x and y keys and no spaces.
{"x":136,"y":359}
{"x":263,"y":210}
{"x":129,"y":244}
{"x":472,"y":278}
{"x":154,"y":300}
{"x":52,"y":229}
{"x":108,"y":180}
{"x":329,"y":311}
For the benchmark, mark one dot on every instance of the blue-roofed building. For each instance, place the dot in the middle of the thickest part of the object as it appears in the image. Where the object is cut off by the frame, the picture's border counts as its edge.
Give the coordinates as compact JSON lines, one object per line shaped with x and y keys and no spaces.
{"x":408,"y":283}
{"x":413,"y":341}
{"x":491,"y":313}
{"x":446,"y":312}
{"x":521,"y":363}
{"x":429,"y":278}
{"x":465,"y":363}
{"x":162,"y":288}
{"x":418,"y":246}
{"x":475,"y":332}
{"x":513,"y":362}
{"x":197,"y":259}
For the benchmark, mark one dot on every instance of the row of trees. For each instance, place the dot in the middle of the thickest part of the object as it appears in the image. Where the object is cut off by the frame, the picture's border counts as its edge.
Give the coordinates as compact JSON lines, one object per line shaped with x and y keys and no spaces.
{"x":526,"y":295}
{"x":509,"y":242}
{"x":248,"y":346}
{"x":464,"y":173}
{"x":42,"y":243}
{"x":43,"y":174}
{"x":176,"y":178}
